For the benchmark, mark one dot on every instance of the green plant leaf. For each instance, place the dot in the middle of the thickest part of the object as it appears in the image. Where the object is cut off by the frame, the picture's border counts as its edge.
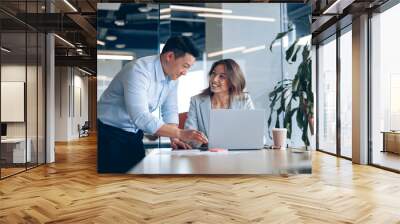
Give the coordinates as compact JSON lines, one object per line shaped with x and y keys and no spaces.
{"x":287,"y":120}
{"x":294,"y":57}
{"x":281,"y":35}
{"x":290,"y":50}
{"x":294,"y":92}
{"x":277,"y":124}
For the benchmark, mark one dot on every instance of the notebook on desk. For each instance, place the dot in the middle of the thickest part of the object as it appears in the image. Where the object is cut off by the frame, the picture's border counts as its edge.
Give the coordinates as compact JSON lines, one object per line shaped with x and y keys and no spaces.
{"x":236,"y":129}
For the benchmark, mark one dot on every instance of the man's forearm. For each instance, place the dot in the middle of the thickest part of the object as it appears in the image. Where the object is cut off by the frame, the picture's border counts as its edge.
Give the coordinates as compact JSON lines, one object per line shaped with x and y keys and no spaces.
{"x":168,"y":130}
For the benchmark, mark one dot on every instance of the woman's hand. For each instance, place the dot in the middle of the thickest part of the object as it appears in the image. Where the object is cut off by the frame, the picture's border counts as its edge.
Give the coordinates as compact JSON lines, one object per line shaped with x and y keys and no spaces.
{"x":188,"y":135}
{"x":176,"y":143}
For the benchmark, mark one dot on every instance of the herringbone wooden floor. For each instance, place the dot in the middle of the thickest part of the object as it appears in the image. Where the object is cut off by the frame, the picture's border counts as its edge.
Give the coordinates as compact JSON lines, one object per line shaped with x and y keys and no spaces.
{"x":70,"y":191}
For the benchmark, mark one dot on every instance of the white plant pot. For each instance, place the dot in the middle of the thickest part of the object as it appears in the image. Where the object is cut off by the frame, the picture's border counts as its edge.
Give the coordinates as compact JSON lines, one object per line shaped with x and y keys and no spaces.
{"x":279,"y":136}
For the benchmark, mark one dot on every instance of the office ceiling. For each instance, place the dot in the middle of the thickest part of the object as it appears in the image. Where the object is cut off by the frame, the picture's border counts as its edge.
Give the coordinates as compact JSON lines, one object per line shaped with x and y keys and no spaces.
{"x":330,"y":16}
{"x":76,"y":24}
{"x":141,"y":29}
{"x":139,"y":32}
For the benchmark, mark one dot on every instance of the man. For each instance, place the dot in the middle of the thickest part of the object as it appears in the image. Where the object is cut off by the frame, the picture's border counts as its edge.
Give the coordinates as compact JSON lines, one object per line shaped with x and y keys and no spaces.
{"x":124,"y":109}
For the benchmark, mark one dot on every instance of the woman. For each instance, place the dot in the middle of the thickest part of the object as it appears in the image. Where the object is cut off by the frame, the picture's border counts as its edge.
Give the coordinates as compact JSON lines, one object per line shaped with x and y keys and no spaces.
{"x":225,"y":91}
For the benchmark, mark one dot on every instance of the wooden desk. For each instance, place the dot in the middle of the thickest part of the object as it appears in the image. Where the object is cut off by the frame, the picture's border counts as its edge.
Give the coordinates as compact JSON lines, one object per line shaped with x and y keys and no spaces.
{"x":265,"y":161}
{"x":391,"y":141}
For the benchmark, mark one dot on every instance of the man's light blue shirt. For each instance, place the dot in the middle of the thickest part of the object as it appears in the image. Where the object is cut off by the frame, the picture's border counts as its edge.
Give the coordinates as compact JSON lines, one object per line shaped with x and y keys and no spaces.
{"x":136,"y":91}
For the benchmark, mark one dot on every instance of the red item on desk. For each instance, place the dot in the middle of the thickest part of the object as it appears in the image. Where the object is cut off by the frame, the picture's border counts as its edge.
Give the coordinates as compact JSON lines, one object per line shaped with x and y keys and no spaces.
{"x":217,"y":150}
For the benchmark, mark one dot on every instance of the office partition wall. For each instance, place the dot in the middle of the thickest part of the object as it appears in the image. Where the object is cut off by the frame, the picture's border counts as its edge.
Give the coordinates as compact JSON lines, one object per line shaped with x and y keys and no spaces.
{"x":22,"y":65}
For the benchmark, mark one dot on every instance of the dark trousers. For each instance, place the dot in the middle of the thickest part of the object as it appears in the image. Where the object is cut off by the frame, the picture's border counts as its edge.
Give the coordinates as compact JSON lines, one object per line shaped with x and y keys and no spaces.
{"x":118,"y":150}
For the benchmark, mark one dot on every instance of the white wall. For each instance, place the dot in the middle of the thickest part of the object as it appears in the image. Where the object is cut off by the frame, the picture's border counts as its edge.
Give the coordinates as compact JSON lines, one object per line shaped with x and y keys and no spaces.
{"x":70,"y":83}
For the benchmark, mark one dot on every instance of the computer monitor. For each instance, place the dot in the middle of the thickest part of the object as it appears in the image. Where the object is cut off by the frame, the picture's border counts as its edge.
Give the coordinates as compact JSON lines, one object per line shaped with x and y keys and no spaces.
{"x":3,"y":129}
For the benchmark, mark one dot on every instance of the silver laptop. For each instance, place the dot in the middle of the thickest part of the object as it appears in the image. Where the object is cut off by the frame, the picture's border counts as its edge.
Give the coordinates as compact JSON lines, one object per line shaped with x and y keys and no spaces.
{"x":236,"y":129}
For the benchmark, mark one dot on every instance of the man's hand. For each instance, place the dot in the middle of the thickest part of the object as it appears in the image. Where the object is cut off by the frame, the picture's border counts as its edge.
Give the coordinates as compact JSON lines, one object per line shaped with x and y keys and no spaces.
{"x":178,"y":144}
{"x":185,"y":135}
{"x":188,"y":135}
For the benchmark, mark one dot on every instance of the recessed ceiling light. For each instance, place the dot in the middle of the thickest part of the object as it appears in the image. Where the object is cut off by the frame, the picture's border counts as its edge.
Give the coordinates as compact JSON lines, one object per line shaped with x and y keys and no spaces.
{"x":120,"y":45}
{"x":167,"y":16}
{"x":211,"y":15}
{"x":119,"y":22}
{"x":84,"y":71}
{"x":64,"y":40}
{"x":111,"y":38}
{"x":226,"y":51}
{"x":144,"y":9}
{"x":5,"y":49}
{"x":79,"y":50}
{"x":198,"y":9}
{"x":108,"y":6}
{"x":102,"y":43}
{"x":70,"y":5}
{"x":187,"y":34}
{"x":114,"y":57}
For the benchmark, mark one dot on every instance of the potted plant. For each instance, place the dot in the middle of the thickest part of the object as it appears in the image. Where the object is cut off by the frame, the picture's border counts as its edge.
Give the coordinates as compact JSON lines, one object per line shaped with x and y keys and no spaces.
{"x":294,"y":97}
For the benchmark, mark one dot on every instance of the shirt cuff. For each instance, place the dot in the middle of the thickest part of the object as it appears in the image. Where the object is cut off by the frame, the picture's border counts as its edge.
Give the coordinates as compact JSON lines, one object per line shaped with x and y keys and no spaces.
{"x":154,"y":128}
{"x":171,"y":119}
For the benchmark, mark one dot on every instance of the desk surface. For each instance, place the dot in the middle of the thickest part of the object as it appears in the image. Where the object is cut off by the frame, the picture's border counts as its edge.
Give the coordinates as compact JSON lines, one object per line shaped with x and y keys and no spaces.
{"x":265,"y":161}
{"x":13,"y":140}
{"x":390,"y":132}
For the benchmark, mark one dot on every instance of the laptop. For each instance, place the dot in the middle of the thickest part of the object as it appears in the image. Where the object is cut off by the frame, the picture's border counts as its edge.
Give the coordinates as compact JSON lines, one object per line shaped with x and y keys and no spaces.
{"x":236,"y":129}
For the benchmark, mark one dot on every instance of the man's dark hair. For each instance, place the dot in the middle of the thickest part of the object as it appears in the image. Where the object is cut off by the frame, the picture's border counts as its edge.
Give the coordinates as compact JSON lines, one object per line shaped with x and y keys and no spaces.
{"x":180,"y":45}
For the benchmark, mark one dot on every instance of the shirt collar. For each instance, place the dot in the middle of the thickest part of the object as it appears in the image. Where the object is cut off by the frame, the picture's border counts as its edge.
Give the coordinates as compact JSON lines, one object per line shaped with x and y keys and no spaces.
{"x":160,"y":75}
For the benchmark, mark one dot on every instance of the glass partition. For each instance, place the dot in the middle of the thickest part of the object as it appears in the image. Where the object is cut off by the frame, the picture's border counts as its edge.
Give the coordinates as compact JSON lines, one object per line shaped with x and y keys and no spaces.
{"x":41,"y":97}
{"x":327,"y":96}
{"x":22,"y":79}
{"x":13,"y":94}
{"x":31,"y":97}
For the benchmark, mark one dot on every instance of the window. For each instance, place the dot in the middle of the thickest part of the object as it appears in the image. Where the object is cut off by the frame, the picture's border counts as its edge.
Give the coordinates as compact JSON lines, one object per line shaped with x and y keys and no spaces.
{"x":385,"y":89}
{"x":327,"y":96}
{"x":346,"y":93}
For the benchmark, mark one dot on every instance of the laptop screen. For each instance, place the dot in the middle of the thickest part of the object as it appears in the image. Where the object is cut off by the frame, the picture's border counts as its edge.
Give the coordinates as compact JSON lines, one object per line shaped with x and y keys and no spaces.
{"x":236,"y":129}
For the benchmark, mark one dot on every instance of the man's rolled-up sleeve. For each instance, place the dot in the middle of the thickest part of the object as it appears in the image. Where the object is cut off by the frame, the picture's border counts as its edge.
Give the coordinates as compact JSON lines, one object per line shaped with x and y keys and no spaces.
{"x":169,"y":109}
{"x":136,"y":101}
